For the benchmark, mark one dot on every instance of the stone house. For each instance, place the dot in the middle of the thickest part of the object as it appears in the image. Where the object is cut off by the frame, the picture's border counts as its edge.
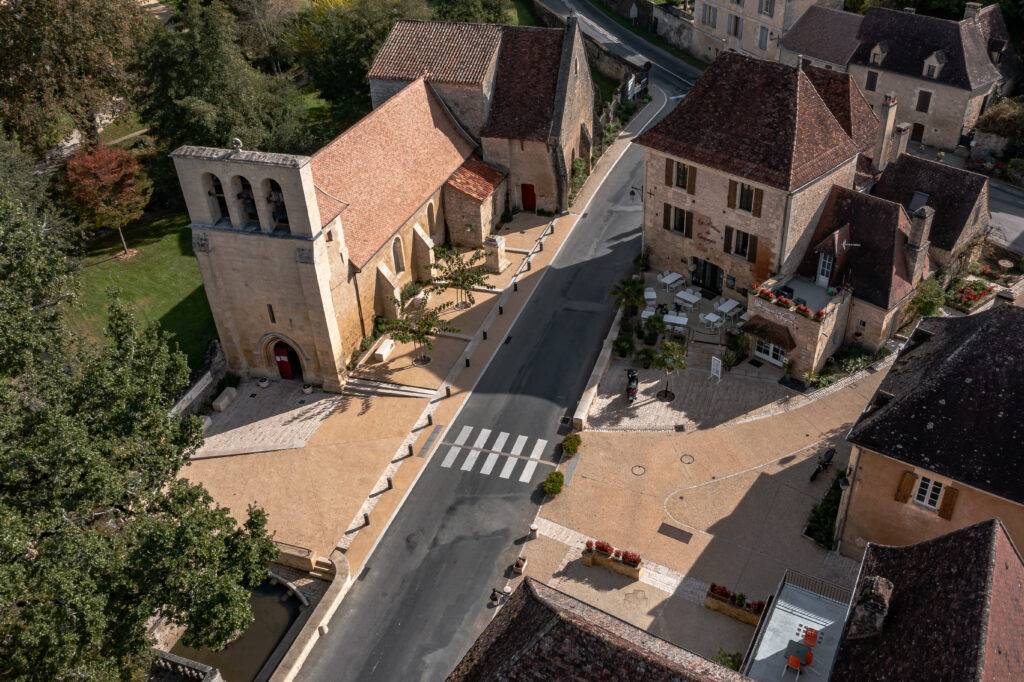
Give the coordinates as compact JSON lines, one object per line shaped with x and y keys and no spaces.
{"x":523,"y":93}
{"x":822,"y":37}
{"x":752,"y":27}
{"x":939,"y":445}
{"x":744,"y":202}
{"x":946,"y":71}
{"x":299,"y":254}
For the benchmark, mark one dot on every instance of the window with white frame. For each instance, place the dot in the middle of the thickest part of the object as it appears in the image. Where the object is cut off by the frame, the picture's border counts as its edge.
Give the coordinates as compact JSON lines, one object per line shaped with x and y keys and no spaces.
{"x":762,"y":38}
{"x":766,"y":7}
{"x":709,"y":15}
{"x":735,"y":26}
{"x":681,"y":222}
{"x":740,"y":242}
{"x":928,"y":492}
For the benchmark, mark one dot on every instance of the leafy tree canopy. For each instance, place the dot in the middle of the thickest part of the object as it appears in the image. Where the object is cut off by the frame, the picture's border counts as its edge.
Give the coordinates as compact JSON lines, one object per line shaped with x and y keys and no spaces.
{"x":197,"y":88}
{"x":476,"y":11}
{"x":62,"y":62}
{"x":97,"y":534}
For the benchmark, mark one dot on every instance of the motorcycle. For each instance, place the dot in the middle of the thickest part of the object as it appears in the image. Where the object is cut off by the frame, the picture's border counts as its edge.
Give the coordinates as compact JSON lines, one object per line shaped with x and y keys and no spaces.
{"x":823,"y":462}
{"x":632,"y":381}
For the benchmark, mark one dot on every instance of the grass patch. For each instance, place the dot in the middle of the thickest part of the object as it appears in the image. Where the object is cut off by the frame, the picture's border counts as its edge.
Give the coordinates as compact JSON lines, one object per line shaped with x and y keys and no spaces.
{"x":126,"y":123}
{"x":651,"y":38}
{"x":522,"y":14}
{"x":161,"y":281}
{"x":605,"y":85}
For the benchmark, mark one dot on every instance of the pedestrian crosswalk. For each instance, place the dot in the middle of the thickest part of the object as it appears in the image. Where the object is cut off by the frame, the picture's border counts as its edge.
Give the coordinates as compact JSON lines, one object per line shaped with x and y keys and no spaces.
{"x":472,"y":450}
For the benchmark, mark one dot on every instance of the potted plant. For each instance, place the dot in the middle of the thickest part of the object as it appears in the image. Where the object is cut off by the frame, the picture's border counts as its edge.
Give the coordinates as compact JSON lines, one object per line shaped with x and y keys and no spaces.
{"x":553,"y":483}
{"x":604,"y":548}
{"x":571,"y":444}
{"x":307,"y":388}
{"x":263,"y":382}
{"x":631,"y":558}
{"x":520,"y":565}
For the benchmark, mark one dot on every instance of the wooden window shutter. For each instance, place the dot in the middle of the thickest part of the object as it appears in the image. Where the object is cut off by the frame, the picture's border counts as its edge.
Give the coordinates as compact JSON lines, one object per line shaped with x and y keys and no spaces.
{"x":670,"y":167}
{"x":691,"y":180}
{"x":948,"y":502}
{"x":752,"y":250}
{"x":689,"y":225}
{"x":906,"y":486}
{"x":758,"y":198}
{"x":732,"y":194}
{"x":728,"y":239}
{"x":667,"y":220}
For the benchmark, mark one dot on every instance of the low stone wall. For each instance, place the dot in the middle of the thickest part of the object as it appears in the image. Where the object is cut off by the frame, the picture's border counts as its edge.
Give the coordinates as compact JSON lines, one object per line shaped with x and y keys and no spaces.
{"x":579,"y":418}
{"x":295,"y":557}
{"x":612,"y":564}
{"x":601,"y":60}
{"x":737,"y":612}
{"x":204,"y":382}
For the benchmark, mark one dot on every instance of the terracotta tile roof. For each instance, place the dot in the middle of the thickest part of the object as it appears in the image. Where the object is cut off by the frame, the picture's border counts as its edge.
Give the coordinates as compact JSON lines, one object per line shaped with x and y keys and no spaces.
{"x":523,"y":107}
{"x":955,"y":613}
{"x":757,"y":120}
{"x":544,"y":634}
{"x":843,"y":98}
{"x":476,"y":178}
{"x":876,"y":268}
{"x":826,"y":34}
{"x":912,"y":38}
{"x":953,"y":402}
{"x":449,"y":52}
{"x":388,"y":164}
{"x":952,"y":192}
{"x":773,"y":332}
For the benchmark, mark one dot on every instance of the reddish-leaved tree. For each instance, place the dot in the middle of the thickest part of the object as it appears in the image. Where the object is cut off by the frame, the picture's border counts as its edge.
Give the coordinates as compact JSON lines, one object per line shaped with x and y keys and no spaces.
{"x":106,"y":188}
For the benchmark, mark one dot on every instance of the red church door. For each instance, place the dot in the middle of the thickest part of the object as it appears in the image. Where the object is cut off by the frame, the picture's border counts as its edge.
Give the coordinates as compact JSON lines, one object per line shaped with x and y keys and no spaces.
{"x":282,"y":351}
{"x":529,"y":198}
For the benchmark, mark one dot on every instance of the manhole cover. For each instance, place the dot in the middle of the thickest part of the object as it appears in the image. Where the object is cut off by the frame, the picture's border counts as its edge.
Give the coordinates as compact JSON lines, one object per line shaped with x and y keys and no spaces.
{"x":686,"y":459}
{"x":302,"y":402}
{"x":564,"y":420}
{"x":252,"y":395}
{"x":639,"y":470}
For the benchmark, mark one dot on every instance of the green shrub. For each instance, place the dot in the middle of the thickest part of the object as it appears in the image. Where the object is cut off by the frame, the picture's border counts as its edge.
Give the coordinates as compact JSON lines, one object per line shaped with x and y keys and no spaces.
{"x":930,"y":297}
{"x":741,"y":599}
{"x":553,"y":483}
{"x":571,"y":444}
{"x":654,"y":325}
{"x":821,"y":524}
{"x":731,"y":661}
{"x":644,"y":357}
{"x":623,"y":346}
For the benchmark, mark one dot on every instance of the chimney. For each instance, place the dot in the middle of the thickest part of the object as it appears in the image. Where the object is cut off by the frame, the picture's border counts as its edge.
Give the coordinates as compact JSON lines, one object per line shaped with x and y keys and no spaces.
{"x":971,"y":10}
{"x":916,"y":249}
{"x":902,"y":138}
{"x":888,"y":118}
{"x":869,"y":608}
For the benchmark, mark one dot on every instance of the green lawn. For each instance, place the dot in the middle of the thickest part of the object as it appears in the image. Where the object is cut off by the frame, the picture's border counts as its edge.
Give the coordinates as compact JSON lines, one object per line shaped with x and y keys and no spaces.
{"x":522,"y":14}
{"x":604,"y":84}
{"x":161,"y":281}
{"x":651,"y":38}
{"x":126,"y":123}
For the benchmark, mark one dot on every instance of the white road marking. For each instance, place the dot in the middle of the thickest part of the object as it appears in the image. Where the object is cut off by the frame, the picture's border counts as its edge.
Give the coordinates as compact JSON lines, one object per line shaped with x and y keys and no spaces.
{"x":481,"y":440}
{"x":492,"y":457}
{"x":531,"y":466}
{"x":453,"y":451}
{"x":510,"y":462}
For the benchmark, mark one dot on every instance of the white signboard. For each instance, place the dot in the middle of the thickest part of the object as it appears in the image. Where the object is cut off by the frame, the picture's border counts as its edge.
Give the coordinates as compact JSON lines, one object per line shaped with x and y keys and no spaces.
{"x":716,"y":367}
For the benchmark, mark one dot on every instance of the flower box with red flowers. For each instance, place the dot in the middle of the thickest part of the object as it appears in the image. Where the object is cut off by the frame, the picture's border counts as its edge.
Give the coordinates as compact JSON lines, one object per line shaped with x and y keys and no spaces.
{"x":766,"y":295}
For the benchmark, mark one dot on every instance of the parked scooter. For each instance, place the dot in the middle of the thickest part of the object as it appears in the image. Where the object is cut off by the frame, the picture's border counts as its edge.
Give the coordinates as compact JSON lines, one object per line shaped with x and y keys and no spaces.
{"x":632,"y":381}
{"x":823,"y":462}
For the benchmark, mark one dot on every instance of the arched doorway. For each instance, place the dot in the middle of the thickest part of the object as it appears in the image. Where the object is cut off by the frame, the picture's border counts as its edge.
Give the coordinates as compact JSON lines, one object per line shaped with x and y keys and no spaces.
{"x":288,"y":365}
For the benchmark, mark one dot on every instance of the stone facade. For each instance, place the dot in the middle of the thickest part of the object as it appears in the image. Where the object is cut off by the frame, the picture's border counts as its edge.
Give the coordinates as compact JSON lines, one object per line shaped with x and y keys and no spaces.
{"x":528,"y":162}
{"x":761,"y":25}
{"x":872,"y":512}
{"x":470,"y":221}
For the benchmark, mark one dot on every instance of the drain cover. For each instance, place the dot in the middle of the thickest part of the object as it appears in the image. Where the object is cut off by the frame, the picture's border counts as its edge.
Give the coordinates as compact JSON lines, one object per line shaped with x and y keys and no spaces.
{"x":639,"y":470}
{"x":686,"y":459}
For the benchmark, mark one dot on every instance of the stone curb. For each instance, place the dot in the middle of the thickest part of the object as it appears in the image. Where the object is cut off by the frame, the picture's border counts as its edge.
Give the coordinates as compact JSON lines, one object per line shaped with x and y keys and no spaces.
{"x":604,"y":359}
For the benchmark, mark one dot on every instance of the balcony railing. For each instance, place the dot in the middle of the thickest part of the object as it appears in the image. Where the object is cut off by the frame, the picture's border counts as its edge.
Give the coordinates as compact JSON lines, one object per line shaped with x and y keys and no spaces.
{"x":818,"y":586}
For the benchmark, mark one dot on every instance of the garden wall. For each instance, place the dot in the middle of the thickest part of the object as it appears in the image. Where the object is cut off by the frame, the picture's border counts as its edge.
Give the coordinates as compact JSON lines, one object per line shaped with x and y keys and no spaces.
{"x":204,"y":382}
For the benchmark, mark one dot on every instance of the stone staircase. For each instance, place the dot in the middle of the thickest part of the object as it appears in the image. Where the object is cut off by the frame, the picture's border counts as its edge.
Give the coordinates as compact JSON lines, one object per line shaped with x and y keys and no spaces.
{"x":369,"y":388}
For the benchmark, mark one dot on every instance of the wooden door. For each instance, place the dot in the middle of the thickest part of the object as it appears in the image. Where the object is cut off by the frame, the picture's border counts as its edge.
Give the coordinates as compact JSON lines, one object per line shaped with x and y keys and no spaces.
{"x":529,"y":197}
{"x":284,"y":363}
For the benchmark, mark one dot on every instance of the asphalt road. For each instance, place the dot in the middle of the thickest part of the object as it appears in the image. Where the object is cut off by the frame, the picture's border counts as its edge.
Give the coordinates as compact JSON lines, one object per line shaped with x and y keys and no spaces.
{"x":1007,"y":218}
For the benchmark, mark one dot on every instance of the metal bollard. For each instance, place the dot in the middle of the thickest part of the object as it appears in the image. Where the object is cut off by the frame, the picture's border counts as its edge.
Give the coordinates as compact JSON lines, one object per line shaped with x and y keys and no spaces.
{"x":515,"y":286}
{"x":467,"y":362}
{"x":501,"y":310}
{"x":485,"y":335}
{"x":366,"y":519}
{"x":533,"y":529}
{"x":430,"y":420}
{"x":540,"y":246}
{"x":529,"y":266}
{"x":391,"y":486}
{"x":447,"y":391}
{"x":410,"y":449}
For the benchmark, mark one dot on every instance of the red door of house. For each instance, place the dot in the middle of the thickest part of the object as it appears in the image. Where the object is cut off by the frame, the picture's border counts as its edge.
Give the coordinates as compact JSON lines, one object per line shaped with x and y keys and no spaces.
{"x":284,"y":364}
{"x":529,"y":198}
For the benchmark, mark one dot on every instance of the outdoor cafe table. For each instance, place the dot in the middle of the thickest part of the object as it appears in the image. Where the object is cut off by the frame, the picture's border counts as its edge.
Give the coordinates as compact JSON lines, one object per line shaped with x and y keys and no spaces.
{"x":798,"y":649}
{"x":676,"y":320}
{"x":646,"y":313}
{"x":688,"y":296}
{"x":670,"y":279}
{"x":728,"y":306}
{"x":711,"y":318}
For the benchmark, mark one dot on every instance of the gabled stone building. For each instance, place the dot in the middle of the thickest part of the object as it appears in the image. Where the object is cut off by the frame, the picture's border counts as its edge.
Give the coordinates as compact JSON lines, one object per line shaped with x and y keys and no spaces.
{"x":754,"y":187}
{"x":752,"y":27}
{"x":524,"y":93}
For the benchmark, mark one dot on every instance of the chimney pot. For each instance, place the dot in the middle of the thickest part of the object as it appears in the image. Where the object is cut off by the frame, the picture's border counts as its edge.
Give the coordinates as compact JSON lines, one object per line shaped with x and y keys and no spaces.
{"x":885,"y":132}
{"x":921,"y":226}
{"x":870,"y":608}
{"x":971,"y":10}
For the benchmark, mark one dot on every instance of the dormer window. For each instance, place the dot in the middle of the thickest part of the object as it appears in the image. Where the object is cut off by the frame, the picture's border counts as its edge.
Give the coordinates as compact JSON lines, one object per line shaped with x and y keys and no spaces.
{"x":878,"y":52}
{"x":933,"y":64}
{"x":929,"y":71}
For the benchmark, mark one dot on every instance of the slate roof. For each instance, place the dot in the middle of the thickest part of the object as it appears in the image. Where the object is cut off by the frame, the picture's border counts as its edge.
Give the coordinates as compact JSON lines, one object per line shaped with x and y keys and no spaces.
{"x":952,"y":192}
{"x":826,"y":34}
{"x":955,"y":612}
{"x":755,"y":119}
{"x":957,"y":405}
{"x":449,"y":52}
{"x":844,"y":99}
{"x":876,"y":268}
{"x":912,"y":38}
{"x":476,"y":178}
{"x":996,"y":36}
{"x":544,"y":634}
{"x":526,"y":83}
{"x":388,"y":164}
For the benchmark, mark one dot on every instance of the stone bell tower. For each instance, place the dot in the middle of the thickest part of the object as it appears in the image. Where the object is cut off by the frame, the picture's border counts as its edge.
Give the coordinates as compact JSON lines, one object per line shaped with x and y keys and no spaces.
{"x":263,"y":252}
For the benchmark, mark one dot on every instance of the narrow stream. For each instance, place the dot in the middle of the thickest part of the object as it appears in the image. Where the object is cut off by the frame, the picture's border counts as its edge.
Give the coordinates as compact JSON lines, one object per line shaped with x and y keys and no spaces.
{"x":275,"y":609}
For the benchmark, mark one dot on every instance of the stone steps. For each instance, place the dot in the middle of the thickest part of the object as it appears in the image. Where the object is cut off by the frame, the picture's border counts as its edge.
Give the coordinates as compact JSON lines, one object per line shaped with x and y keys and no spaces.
{"x":364,"y":388}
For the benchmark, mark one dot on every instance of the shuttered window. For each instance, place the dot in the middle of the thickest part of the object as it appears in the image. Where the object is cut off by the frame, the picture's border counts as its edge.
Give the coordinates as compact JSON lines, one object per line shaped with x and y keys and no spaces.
{"x":670,"y":167}
{"x":948,"y":503}
{"x":871,"y":84}
{"x":732,"y":193}
{"x":928,"y":492}
{"x":906,"y":487}
{"x":679,"y":221}
{"x":752,"y":250}
{"x":738,"y":242}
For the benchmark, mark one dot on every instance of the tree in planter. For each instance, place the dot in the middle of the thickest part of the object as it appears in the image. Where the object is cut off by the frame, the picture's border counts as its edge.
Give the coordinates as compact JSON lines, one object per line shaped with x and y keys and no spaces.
{"x":654,"y":326}
{"x":629,"y":294}
{"x":416,"y":323}
{"x":553,"y":483}
{"x":571,"y":444}
{"x":645,"y":357}
{"x":671,"y":357}
{"x":106,"y":188}
{"x":454,"y":271}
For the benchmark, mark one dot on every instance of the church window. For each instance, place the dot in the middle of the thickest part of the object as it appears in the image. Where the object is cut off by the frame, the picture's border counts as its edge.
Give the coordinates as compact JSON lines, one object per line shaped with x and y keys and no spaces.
{"x":397,"y":255}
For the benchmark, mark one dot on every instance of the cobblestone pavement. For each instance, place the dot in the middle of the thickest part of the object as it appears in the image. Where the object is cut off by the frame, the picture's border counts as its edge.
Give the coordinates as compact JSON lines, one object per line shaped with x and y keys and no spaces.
{"x":279,"y":417}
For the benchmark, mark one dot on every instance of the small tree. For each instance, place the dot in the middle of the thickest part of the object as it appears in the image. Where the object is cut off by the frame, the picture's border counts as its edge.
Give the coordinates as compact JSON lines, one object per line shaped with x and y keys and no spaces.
{"x":106,"y":188}
{"x":454,"y":271}
{"x":628,"y":293}
{"x":416,"y":323}
{"x":930,"y":297}
{"x":669,"y":358}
